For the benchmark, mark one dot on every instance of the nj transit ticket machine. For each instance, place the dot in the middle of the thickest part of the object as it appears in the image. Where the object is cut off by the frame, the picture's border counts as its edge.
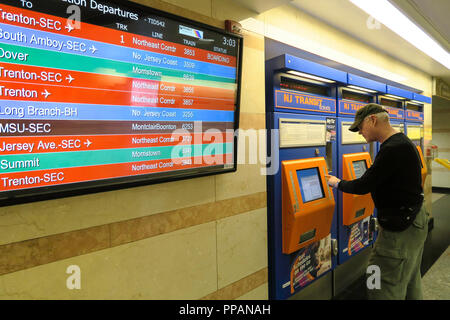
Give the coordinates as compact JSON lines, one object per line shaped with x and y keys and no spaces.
{"x":414,"y":118}
{"x":355,"y":156}
{"x":414,"y":131}
{"x":302,"y":227}
{"x":307,"y":203}
{"x":394,"y":102}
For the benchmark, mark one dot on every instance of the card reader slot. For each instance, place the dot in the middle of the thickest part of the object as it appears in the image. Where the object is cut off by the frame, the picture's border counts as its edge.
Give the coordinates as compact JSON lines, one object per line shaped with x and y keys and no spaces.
{"x":329,"y":156}
{"x":328,"y":187}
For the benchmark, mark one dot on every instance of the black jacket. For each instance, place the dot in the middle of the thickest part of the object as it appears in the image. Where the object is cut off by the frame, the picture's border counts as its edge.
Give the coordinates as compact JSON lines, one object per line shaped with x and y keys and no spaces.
{"x":394,"y":180}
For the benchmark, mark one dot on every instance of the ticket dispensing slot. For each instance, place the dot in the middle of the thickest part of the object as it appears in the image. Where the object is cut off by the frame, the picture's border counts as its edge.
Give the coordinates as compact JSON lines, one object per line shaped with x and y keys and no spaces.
{"x":423,"y":164}
{"x":307,"y":203}
{"x":356,"y":207}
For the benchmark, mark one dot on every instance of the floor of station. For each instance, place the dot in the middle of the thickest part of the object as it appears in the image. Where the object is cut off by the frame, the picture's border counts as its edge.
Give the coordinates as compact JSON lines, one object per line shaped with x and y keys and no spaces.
{"x":435,"y":266}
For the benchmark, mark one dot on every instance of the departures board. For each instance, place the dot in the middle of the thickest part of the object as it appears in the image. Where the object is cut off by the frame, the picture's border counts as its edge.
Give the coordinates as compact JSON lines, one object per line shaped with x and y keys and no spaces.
{"x":98,"y":95}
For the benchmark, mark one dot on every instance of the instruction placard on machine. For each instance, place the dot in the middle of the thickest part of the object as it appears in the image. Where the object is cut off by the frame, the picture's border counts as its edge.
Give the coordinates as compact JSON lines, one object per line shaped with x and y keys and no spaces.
{"x":302,"y":133}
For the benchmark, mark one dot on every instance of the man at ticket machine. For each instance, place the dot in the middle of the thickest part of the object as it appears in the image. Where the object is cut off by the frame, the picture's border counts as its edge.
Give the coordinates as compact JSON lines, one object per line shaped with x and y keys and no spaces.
{"x":394,"y":181}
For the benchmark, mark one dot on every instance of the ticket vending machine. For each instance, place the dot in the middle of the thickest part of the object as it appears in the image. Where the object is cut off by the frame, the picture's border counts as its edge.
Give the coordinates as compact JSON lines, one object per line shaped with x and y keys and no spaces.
{"x":414,"y":118}
{"x":394,"y":102}
{"x":414,"y":127}
{"x":307,"y":203}
{"x":302,"y":226}
{"x":414,"y":131}
{"x":356,"y":212}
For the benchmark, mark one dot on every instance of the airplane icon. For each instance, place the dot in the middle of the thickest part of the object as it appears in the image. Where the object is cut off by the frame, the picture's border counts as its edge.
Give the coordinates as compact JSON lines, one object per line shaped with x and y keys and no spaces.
{"x":70,"y":79}
{"x":69,"y":28}
{"x":93,"y":49}
{"x":88,"y":143}
{"x":46,"y":93}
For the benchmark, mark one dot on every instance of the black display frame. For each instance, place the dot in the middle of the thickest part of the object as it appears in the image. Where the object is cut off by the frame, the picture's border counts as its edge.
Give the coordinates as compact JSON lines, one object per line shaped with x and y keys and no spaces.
{"x":29,"y":195}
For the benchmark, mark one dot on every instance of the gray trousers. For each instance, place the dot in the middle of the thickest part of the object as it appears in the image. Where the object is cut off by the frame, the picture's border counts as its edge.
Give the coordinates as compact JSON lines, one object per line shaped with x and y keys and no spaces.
{"x":399,"y":255}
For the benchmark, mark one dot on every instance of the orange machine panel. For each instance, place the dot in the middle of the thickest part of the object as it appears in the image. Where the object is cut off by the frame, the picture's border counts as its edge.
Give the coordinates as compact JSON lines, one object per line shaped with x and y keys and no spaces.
{"x":355,"y":207}
{"x":424,"y":165}
{"x":307,"y":203}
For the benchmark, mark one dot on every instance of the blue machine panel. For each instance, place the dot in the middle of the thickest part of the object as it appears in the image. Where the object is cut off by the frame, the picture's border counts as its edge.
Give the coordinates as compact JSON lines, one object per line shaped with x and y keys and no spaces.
{"x":287,"y":62}
{"x":290,"y":273}
{"x":421,"y":98}
{"x":358,"y":236}
{"x":310,"y":96}
{"x":302,"y":65}
{"x":366,"y":83}
{"x":296,"y":99}
{"x":399,"y":92}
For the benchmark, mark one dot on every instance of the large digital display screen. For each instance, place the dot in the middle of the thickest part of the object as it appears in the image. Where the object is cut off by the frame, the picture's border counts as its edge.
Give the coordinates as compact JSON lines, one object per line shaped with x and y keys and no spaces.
{"x":310,"y":184}
{"x":98,"y":95}
{"x":360,"y":167}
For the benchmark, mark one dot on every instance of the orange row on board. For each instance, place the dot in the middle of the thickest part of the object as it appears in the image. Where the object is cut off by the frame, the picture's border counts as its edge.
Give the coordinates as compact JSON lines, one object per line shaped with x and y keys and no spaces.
{"x":54,"y":24}
{"x":45,"y":93}
{"x":56,"y":77}
{"x":46,"y":178}
{"x":27,"y":145}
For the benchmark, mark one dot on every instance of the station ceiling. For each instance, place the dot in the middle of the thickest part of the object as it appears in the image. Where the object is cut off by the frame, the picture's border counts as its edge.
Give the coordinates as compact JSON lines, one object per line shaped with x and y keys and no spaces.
{"x":430,"y":15}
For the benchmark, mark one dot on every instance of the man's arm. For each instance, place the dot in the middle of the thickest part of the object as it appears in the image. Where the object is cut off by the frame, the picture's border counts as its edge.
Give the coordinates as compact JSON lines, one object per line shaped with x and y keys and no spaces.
{"x":381,"y":170}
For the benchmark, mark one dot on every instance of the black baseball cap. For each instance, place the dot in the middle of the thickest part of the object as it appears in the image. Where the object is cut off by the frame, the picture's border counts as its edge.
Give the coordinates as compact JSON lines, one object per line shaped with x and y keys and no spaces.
{"x":361,"y":114}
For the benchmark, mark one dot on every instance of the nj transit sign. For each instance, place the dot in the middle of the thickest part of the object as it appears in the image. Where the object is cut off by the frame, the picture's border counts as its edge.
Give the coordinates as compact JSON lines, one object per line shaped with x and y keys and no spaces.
{"x":305,"y":102}
{"x":414,"y":115}
{"x":349,"y":107}
{"x":395,"y":113}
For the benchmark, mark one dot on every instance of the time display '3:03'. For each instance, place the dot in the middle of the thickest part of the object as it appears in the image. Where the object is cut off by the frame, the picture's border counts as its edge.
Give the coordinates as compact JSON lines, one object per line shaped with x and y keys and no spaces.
{"x":229,"y":42}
